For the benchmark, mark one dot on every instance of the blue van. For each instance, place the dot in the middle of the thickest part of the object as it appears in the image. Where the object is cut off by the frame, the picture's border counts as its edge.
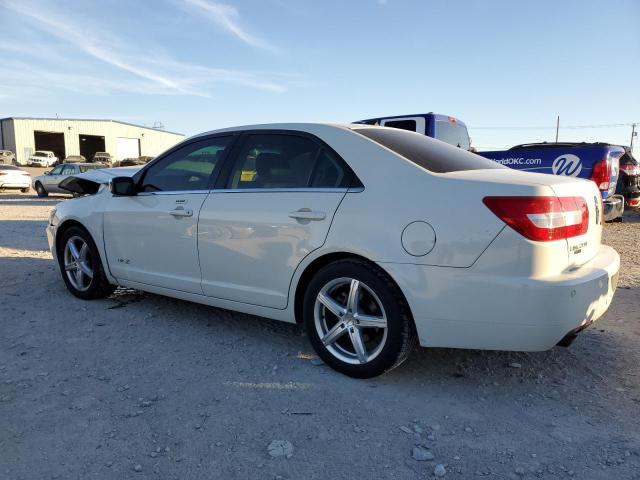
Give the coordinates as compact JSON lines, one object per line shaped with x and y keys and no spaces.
{"x":442,"y":127}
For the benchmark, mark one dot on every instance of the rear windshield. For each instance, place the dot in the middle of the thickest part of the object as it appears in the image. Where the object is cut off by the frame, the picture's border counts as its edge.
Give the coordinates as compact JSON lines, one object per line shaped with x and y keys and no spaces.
{"x":453,"y":134}
{"x":421,"y":150}
{"x":9,"y":167}
{"x":85,"y":168}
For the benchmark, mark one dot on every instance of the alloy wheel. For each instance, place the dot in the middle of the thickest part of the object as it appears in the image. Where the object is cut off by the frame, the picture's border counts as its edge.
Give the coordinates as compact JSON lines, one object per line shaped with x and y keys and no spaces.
{"x":77,"y":263}
{"x":350,"y":320}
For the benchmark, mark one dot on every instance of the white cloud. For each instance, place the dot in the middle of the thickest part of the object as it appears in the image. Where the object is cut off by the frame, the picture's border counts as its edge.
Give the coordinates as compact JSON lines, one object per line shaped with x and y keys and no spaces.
{"x":159,"y":76}
{"x":226,"y":17}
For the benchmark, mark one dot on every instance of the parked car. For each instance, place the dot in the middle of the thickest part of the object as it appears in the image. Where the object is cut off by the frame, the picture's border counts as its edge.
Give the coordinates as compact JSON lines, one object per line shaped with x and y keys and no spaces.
{"x":75,"y":159}
{"x":129,"y":162}
{"x":102,"y":157}
{"x":12,"y":177}
{"x":7,"y":157}
{"x":629,"y":180}
{"x":441,"y":127}
{"x":42,"y":158}
{"x":374,"y":237}
{"x":48,"y":183}
{"x":595,"y":161}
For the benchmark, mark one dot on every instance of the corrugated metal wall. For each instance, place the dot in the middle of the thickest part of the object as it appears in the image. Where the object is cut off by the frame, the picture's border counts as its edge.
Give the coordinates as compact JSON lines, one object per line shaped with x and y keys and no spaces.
{"x":19,"y":135}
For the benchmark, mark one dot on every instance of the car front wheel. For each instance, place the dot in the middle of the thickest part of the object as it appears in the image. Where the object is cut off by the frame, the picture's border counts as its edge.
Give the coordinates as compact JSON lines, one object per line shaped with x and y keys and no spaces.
{"x":357,"y":319}
{"x":81,"y":267}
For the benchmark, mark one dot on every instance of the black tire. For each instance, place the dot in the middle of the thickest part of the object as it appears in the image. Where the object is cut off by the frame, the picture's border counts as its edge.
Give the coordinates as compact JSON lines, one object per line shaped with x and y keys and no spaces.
{"x":40,"y":190}
{"x":400,"y":330}
{"x":99,"y":286}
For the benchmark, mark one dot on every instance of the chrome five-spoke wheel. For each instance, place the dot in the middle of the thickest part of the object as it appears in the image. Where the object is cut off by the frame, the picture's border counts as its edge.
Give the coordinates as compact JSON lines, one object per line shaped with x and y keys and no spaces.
{"x":77,"y":263}
{"x":350,"y":320}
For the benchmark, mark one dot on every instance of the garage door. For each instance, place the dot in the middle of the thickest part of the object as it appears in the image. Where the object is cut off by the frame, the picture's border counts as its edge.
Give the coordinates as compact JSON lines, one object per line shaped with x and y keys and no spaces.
{"x":127,"y":148}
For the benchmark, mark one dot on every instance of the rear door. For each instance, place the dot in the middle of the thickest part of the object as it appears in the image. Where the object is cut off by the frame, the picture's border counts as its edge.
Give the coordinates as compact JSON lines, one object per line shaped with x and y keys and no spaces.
{"x":274,"y":208}
{"x":151,"y":238}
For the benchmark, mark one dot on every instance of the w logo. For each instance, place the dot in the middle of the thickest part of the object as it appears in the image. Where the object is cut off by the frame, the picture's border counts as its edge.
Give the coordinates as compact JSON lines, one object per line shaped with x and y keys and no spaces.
{"x":568,"y":164}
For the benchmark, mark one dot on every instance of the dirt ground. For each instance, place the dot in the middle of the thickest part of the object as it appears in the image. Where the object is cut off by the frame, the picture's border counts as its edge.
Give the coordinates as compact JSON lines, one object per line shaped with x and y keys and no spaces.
{"x":142,"y":386}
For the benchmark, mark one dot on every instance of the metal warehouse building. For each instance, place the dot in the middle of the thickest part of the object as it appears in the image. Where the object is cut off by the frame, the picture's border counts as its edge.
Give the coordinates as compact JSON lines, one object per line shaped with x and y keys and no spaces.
{"x":67,"y":137}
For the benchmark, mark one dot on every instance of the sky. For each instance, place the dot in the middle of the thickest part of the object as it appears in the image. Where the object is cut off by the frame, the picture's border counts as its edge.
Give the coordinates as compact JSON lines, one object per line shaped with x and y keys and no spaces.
{"x":506,"y":68}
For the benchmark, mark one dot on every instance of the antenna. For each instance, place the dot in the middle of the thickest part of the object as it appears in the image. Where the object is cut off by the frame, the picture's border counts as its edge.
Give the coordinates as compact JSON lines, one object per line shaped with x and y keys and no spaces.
{"x":158,"y":125}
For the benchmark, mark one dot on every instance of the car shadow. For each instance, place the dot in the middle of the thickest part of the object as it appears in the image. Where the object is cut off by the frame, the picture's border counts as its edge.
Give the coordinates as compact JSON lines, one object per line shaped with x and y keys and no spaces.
{"x":27,"y":200}
{"x":18,"y":235}
{"x":436,"y":366}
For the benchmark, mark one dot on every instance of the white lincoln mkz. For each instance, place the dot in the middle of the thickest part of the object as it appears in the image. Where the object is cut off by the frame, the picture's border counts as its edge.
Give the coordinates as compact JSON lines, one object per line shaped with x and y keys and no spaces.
{"x":372,"y":237}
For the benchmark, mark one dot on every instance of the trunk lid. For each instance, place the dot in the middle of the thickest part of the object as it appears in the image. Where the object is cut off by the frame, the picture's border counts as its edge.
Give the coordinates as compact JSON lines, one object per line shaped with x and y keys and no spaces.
{"x":583,"y":248}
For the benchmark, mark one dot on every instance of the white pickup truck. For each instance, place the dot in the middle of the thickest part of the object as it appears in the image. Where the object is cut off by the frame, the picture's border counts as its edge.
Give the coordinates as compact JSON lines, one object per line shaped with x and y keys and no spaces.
{"x":42,"y":158}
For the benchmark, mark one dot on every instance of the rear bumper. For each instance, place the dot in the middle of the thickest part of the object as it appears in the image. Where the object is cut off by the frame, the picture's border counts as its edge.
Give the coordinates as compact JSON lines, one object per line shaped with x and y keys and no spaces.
{"x":613,"y":207}
{"x":16,"y":184}
{"x":460,"y":308}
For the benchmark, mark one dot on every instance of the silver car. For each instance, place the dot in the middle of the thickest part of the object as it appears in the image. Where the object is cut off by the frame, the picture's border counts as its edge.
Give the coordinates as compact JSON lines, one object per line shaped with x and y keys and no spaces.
{"x":48,"y":183}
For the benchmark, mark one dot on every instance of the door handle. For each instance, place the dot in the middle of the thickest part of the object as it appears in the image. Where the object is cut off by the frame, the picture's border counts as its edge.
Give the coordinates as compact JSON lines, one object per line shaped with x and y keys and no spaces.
{"x":308,"y":214}
{"x":181,"y":212}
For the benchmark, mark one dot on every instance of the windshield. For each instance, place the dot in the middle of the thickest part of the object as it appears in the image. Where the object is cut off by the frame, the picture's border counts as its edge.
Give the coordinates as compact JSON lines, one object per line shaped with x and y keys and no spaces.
{"x":452,"y":133}
{"x":424,"y":152}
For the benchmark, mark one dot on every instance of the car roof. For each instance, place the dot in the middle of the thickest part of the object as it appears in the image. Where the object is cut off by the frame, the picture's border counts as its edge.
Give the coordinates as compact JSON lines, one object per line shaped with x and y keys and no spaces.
{"x":302,"y":127}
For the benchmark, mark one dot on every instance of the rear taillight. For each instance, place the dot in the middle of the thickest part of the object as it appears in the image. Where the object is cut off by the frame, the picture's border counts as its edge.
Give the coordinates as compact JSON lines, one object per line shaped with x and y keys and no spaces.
{"x":4,"y":173}
{"x":601,"y":174}
{"x":630,"y":169}
{"x":542,"y":219}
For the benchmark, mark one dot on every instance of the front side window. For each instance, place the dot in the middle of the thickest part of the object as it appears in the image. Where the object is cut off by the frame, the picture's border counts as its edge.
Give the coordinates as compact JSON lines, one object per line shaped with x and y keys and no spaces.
{"x":286,"y":161}
{"x":68,"y":170}
{"x":188,"y":168}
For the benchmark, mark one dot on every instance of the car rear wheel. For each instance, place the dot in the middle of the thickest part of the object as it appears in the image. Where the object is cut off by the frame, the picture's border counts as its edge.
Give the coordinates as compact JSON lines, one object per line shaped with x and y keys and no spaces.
{"x":81,"y":267}
{"x":357,"y":319}
{"x":40,"y":190}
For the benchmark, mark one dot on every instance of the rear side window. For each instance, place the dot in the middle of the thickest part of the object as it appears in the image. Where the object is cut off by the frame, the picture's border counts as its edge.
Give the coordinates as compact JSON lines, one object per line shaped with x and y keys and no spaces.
{"x":402,"y":124}
{"x":420,"y":150}
{"x":270,"y":161}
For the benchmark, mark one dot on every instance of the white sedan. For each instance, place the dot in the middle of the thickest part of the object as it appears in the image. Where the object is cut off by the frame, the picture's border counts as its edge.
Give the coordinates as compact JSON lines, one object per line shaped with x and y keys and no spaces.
{"x":373,"y":237}
{"x":12,"y":177}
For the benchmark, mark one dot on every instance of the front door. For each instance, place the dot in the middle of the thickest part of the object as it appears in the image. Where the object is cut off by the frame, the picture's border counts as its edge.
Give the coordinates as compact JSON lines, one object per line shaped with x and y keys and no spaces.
{"x":151,"y":238}
{"x":275,"y":208}
{"x":52,"y":179}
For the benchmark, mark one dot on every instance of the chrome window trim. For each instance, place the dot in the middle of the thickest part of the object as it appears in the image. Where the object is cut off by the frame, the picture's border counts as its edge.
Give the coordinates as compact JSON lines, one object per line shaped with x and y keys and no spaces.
{"x":255,"y":190}
{"x":173,"y":192}
{"x":281,"y":190}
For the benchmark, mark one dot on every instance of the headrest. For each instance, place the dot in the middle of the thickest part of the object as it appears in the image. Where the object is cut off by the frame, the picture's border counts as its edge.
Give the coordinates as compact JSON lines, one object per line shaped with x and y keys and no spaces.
{"x":267,"y":162}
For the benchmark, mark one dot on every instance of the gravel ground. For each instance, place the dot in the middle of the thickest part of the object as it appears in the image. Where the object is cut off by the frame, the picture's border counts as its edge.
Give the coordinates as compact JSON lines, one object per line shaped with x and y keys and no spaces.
{"x":142,"y":386}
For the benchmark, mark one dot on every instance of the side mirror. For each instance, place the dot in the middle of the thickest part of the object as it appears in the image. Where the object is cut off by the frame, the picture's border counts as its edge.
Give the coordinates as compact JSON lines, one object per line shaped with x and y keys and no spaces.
{"x":48,"y":172}
{"x":123,"y":186}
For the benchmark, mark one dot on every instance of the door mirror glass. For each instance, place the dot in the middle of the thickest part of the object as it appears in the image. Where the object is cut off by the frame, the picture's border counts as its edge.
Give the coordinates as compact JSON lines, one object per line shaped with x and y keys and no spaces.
{"x":123,"y":186}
